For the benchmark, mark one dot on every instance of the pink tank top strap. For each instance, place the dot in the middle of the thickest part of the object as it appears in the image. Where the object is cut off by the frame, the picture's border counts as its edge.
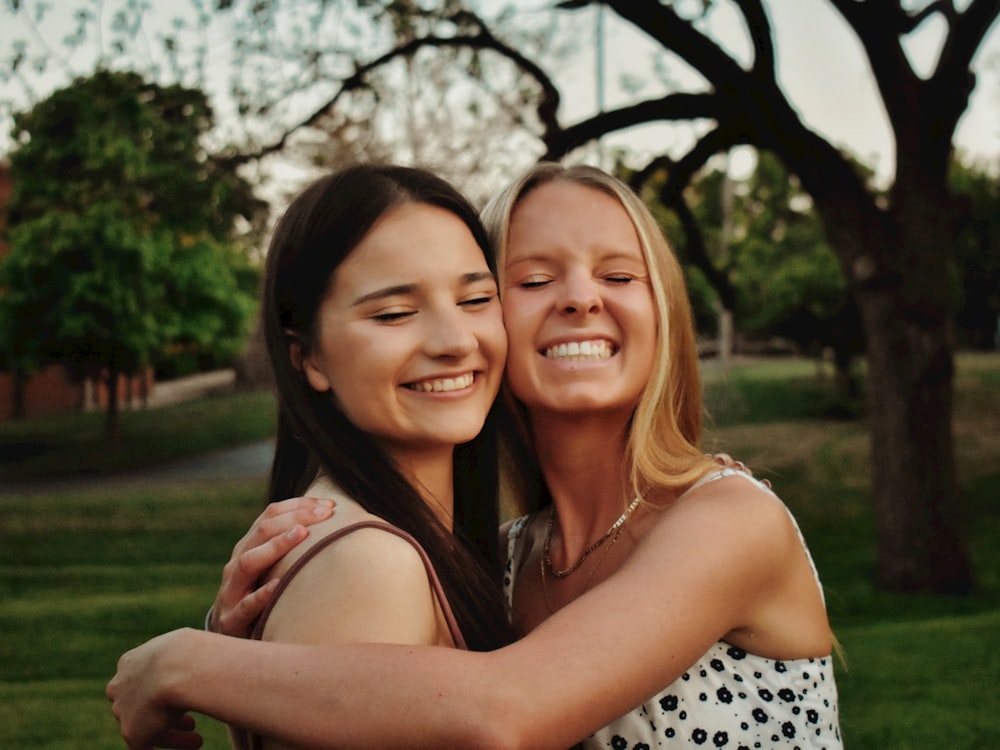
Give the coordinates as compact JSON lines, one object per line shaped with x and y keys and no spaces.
{"x":456,"y":633}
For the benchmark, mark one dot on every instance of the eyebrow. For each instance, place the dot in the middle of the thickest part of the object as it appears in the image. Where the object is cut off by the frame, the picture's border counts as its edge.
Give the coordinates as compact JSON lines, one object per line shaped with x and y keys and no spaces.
{"x":403,"y":289}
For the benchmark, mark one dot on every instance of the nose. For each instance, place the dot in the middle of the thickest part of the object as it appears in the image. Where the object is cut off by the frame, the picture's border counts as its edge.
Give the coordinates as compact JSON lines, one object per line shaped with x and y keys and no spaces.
{"x":451,"y":334}
{"x":579,"y":294}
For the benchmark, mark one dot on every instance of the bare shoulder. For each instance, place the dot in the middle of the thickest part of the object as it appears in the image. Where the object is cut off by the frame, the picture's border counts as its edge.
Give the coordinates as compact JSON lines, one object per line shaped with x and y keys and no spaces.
{"x":732,"y":519}
{"x":367,"y":585}
{"x":348,"y":513}
{"x":736,"y":500}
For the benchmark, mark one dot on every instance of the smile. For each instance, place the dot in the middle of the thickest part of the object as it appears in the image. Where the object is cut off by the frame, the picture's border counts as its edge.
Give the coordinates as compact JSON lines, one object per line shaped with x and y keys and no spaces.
{"x":596,"y":349}
{"x":443,"y":385}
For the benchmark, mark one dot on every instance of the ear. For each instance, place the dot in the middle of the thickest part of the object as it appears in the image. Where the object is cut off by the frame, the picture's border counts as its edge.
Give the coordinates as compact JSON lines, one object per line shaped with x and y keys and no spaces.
{"x":316,"y":375}
{"x":307,"y":364}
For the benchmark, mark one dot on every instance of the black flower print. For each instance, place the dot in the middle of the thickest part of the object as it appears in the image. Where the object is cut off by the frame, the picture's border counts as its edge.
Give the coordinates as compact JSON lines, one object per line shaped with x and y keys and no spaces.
{"x":699,"y":736}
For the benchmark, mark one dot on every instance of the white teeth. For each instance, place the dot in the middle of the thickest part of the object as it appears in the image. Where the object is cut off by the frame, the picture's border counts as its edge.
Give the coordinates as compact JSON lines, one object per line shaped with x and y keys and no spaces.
{"x":443,"y":385}
{"x":597,"y":349}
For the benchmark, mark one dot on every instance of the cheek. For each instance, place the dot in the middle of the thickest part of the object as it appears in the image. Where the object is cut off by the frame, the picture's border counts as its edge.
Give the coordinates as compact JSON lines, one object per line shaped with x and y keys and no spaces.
{"x":495,"y":335}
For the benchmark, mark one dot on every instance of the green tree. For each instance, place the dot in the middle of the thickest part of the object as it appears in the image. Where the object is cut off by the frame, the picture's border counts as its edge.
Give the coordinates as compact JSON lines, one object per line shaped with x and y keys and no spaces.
{"x":121,"y":232}
{"x":788,"y":278}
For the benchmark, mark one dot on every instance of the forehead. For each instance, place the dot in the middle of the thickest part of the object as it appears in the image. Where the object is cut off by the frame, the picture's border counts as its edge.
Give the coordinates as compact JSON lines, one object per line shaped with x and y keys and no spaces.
{"x":567,"y":215}
{"x":411,"y":244}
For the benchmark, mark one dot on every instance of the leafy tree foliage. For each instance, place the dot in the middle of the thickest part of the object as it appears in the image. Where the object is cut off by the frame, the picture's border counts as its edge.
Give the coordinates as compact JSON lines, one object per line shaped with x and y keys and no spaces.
{"x":789,"y":281}
{"x":121,"y":232}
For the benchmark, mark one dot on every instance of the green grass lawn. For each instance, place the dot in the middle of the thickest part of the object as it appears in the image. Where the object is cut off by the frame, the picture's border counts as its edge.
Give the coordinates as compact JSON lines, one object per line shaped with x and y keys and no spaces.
{"x":85,"y":576}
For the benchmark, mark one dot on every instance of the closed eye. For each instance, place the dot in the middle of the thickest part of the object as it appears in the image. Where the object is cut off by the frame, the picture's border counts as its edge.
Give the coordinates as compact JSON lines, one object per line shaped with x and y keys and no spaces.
{"x":478,"y":301}
{"x":533,"y":283}
{"x":619,"y":279}
{"x":390,"y":317}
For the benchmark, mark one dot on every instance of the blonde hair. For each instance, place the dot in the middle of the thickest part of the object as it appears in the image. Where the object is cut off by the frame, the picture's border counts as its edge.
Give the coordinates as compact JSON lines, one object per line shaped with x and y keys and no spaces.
{"x":665,"y":431}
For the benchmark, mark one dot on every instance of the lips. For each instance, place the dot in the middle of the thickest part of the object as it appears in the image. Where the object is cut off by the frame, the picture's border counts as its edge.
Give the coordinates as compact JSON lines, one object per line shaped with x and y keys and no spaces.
{"x":443,"y":385}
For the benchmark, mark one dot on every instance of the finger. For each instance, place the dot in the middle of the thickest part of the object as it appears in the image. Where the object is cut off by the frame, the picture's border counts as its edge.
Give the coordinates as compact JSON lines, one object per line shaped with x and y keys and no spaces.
{"x":240,"y":575}
{"x":239,"y":600}
{"x":184,"y":722}
{"x":259,"y":559}
{"x":180,"y":735}
{"x":238,"y":620}
{"x":279,"y":517}
{"x":245,"y":568}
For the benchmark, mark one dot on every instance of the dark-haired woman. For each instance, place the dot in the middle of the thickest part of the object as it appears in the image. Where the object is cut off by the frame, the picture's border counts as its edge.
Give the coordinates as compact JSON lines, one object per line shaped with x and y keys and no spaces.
{"x":385,"y":334}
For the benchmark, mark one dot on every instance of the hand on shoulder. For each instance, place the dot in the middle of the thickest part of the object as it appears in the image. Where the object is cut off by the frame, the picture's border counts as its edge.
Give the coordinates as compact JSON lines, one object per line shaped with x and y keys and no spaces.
{"x":368,"y":585}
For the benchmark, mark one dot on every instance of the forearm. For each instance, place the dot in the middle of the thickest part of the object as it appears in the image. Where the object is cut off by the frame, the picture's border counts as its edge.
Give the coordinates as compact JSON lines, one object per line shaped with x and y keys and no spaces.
{"x":333,"y":697}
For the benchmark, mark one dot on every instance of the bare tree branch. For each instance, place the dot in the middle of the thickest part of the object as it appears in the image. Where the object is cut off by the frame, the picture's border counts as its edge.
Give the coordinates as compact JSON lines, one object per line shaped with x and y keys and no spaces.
{"x":761,"y":36}
{"x":695,"y":249}
{"x":675,"y":33}
{"x":968,"y":30}
{"x":673,"y":107}
{"x":547,"y":107}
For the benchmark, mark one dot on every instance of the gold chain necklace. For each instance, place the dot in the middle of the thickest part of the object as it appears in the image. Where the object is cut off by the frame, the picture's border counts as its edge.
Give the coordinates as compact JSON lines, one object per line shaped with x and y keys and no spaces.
{"x":590,"y":576}
{"x":616,"y":526}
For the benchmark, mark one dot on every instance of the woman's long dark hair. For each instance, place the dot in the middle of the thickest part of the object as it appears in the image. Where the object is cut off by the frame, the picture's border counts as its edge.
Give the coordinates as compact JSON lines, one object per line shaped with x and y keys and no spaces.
{"x":321,"y":227}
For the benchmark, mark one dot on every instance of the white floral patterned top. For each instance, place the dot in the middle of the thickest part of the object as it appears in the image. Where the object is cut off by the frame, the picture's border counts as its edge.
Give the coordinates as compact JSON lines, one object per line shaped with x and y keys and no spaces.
{"x":730,"y":698}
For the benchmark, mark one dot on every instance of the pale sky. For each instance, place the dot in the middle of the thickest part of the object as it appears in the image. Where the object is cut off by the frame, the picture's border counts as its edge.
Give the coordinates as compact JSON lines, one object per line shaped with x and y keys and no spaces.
{"x":820,"y":66}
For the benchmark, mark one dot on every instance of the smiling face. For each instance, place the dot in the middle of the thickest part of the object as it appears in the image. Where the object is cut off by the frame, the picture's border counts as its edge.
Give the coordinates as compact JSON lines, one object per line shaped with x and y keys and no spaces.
{"x":410,"y":335}
{"x":577,"y":303}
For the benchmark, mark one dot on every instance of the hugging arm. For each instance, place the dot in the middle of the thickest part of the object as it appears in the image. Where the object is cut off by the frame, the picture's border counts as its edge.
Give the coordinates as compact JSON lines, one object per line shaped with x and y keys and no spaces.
{"x":587,"y":664}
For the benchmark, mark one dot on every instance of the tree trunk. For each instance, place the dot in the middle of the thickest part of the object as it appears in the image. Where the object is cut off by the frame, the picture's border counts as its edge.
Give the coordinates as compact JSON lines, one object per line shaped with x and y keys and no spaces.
{"x":898,"y":271}
{"x":910,"y":385}
{"x":113,"y":429}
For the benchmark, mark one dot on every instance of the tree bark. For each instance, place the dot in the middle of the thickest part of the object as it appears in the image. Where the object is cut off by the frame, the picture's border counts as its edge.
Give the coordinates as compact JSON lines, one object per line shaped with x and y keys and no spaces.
{"x":910,"y":385}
